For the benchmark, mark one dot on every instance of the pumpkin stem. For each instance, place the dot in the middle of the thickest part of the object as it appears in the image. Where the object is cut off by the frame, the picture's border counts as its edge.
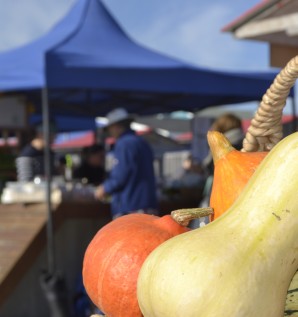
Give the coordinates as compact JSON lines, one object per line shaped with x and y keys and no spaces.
{"x":219,"y":145}
{"x":184,"y":216}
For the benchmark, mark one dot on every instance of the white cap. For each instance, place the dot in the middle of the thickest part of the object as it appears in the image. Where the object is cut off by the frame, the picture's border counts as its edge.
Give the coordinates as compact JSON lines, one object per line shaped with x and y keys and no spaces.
{"x":117,"y":115}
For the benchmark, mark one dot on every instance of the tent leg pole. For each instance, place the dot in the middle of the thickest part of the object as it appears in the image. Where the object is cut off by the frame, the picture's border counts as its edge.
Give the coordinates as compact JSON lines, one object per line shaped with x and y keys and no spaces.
{"x":47,"y":164}
{"x":52,"y":283}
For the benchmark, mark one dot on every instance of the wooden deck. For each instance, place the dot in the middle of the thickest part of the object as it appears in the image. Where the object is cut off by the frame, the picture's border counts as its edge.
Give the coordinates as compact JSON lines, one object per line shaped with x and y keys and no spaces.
{"x":20,"y":229}
{"x":23,"y":235}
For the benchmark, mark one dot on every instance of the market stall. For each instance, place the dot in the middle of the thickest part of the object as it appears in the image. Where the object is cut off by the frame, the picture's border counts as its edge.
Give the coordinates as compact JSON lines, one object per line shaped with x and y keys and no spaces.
{"x":76,"y":219}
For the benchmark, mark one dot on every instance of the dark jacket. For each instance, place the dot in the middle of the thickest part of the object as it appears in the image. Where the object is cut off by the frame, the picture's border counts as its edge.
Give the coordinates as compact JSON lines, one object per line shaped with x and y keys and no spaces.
{"x":94,"y":174}
{"x":30,"y":163}
{"x":131,"y":181}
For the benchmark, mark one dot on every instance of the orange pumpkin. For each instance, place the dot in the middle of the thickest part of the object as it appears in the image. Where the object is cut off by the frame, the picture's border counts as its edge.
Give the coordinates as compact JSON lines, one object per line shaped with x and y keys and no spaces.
{"x":114,"y":258}
{"x":232,"y":170}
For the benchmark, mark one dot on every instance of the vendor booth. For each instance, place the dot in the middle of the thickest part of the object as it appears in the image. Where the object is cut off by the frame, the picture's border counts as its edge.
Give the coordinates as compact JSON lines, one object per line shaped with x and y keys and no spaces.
{"x":79,"y":72}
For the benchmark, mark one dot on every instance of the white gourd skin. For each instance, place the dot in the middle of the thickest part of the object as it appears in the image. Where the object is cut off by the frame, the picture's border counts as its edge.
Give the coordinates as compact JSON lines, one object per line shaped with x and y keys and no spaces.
{"x":241,"y":264}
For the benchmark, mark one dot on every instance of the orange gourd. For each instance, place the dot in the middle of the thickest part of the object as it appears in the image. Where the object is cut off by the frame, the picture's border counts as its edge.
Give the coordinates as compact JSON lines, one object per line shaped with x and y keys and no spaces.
{"x":114,"y":258}
{"x":232,"y":170}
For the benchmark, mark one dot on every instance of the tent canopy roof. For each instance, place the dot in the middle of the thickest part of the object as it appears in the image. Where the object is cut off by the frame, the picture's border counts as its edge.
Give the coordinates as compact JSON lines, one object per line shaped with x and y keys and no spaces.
{"x":90,"y":65}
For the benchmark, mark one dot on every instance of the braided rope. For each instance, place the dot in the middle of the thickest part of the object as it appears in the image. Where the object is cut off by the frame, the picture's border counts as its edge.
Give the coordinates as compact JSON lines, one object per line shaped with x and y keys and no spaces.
{"x":265,"y":129}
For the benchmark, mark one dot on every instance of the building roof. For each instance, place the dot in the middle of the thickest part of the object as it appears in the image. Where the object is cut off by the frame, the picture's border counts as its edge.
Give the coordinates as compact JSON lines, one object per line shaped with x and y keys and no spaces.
{"x":248,"y":15}
{"x":272,"y":21}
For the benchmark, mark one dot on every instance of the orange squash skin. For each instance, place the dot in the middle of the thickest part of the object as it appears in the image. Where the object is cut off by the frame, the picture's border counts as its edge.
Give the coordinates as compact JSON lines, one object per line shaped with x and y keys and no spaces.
{"x":232,"y":170}
{"x":231,"y":173}
{"x":114,"y":258}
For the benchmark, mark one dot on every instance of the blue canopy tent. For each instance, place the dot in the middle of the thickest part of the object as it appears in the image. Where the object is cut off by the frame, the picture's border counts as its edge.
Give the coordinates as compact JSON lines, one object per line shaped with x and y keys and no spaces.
{"x":22,"y":70}
{"x":98,"y":58}
{"x":88,"y":62}
{"x":67,"y":123}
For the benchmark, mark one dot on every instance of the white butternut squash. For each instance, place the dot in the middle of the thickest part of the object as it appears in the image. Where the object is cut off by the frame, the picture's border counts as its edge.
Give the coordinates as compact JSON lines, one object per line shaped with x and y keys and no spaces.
{"x":241,"y":264}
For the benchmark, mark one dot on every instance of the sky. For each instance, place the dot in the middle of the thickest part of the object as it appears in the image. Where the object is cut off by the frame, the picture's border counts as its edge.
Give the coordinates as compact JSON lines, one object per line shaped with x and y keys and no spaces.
{"x":189,"y":30}
{"x":186,"y":29}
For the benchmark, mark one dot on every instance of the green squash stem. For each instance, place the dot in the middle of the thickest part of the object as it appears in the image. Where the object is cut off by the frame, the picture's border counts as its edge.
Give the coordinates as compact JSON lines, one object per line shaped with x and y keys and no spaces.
{"x":184,"y":216}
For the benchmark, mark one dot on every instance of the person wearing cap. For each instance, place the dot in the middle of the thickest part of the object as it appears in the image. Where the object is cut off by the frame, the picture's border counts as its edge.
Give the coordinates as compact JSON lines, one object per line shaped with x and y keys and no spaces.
{"x":30,"y":161}
{"x":131,"y":182}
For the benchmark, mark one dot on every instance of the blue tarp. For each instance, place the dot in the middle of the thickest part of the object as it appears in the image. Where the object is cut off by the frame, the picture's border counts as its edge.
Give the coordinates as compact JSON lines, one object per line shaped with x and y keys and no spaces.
{"x":100,"y":56}
{"x":88,"y":63}
{"x":68,"y":123}
{"x":23,"y":68}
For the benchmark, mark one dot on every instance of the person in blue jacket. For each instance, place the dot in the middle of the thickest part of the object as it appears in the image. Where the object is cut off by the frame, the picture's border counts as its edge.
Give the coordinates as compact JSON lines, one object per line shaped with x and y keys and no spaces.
{"x":131,"y":182}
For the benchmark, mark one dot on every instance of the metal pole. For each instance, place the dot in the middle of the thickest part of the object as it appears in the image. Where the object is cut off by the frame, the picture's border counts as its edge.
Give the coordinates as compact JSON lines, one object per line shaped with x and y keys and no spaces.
{"x":47,"y":164}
